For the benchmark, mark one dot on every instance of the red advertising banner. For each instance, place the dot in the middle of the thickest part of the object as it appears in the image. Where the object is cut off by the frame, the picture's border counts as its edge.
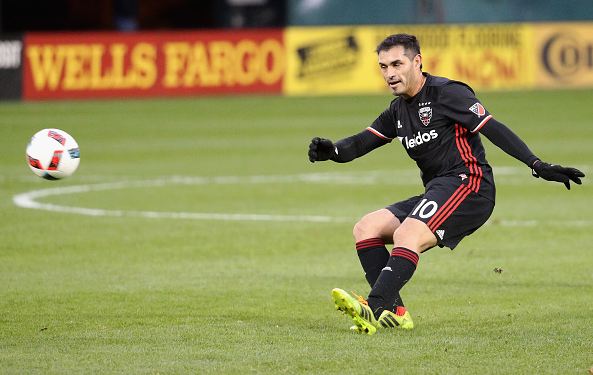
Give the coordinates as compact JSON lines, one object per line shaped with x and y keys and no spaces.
{"x":101,"y":65}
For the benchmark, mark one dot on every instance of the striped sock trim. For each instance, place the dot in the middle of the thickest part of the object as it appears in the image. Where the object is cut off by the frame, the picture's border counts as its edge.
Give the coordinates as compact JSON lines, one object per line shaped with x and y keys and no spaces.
{"x":402,"y":252}
{"x":368,"y":243}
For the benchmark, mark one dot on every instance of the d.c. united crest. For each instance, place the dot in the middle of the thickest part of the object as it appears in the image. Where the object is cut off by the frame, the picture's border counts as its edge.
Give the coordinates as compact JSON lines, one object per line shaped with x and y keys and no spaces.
{"x":425,"y":114}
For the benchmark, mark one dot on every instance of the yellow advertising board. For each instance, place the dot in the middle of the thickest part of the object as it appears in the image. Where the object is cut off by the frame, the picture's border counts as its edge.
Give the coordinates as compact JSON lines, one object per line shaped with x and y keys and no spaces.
{"x":342,"y":60}
{"x":299,"y":60}
{"x":330,"y":60}
{"x":490,"y":56}
{"x":564,"y":54}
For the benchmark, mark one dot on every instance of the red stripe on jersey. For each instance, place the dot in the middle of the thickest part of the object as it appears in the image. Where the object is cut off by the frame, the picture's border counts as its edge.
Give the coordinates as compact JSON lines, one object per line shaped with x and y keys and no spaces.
{"x":474,"y":163}
{"x":459,"y":131}
{"x":444,"y":206}
{"x":462,"y":191}
{"x":375,"y":132}
{"x":444,"y":210}
{"x":449,"y":210}
{"x":484,"y":121}
{"x":469,"y":159}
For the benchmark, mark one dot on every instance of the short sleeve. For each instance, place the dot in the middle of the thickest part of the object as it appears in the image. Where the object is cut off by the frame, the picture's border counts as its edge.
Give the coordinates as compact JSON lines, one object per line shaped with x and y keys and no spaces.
{"x":384,"y":126}
{"x":461,"y":105}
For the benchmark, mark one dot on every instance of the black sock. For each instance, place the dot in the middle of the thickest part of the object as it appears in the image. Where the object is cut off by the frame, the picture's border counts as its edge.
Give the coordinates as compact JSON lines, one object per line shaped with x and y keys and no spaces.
{"x":373,"y":257}
{"x":393,"y":277}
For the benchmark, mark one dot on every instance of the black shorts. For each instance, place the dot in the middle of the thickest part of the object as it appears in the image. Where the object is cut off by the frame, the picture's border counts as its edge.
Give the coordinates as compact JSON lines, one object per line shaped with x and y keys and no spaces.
{"x":449,"y":208}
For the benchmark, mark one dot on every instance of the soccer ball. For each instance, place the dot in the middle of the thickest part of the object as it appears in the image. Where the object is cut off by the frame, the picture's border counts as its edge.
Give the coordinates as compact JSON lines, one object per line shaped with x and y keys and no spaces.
{"x":53,"y":154}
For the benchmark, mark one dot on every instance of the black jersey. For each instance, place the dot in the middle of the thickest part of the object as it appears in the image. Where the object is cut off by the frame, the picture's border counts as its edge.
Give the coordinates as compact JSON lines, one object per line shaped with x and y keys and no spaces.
{"x":439,"y":127}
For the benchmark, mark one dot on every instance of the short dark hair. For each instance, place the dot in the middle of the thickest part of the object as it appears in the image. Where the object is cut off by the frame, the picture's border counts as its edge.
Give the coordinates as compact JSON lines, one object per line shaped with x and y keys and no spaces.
{"x":409,"y":42}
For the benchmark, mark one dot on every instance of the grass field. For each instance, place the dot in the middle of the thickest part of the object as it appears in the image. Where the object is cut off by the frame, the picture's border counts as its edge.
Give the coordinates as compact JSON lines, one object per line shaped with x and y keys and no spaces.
{"x":210,"y":244}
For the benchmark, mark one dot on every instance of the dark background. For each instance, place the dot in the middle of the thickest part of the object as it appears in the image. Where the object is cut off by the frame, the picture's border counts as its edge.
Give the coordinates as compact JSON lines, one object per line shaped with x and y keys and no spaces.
{"x":128,"y":15}
{"x":18,"y":16}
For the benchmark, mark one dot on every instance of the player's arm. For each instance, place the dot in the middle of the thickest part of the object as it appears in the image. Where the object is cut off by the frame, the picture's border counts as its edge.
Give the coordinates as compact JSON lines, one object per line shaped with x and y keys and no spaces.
{"x":346,"y":149}
{"x":509,"y":142}
{"x":461,"y":105}
{"x":378,"y":134}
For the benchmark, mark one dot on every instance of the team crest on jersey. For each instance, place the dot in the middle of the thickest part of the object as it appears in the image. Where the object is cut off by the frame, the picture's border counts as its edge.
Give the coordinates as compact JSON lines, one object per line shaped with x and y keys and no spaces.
{"x":478,"y":109}
{"x":425,"y":114}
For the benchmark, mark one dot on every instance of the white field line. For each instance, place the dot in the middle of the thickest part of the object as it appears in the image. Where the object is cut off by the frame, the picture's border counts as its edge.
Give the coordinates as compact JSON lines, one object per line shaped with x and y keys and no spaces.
{"x":30,"y":199}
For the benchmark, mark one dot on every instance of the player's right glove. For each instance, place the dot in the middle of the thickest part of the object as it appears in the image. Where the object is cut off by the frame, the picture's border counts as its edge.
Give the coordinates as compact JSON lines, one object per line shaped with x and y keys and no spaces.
{"x":556,"y":173}
{"x":321,"y":149}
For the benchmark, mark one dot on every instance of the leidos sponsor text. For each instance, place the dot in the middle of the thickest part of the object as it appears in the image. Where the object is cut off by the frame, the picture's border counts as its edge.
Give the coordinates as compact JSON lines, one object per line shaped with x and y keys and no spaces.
{"x":420,"y":138}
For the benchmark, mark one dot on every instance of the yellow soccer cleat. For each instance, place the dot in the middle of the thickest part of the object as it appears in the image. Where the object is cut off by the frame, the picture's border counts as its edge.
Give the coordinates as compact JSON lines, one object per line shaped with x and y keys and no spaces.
{"x":357,"y":309}
{"x":401,"y":319}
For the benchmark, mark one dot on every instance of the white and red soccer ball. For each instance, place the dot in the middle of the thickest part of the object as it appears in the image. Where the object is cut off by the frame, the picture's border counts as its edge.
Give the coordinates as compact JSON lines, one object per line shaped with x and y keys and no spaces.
{"x":53,"y":154}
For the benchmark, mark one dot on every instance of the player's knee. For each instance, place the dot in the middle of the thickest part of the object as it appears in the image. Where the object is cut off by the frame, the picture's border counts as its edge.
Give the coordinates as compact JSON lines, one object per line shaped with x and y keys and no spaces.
{"x":402,"y":234}
{"x":415,"y":237}
{"x":359,"y":230}
{"x":364,"y":229}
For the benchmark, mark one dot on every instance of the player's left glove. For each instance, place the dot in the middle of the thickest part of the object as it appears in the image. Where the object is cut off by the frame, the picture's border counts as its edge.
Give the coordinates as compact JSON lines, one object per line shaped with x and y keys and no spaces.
{"x":556,"y":173}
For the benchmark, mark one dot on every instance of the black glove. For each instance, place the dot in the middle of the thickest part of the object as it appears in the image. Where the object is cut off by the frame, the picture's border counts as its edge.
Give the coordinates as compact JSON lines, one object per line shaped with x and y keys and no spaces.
{"x":321,"y":149}
{"x":556,"y":173}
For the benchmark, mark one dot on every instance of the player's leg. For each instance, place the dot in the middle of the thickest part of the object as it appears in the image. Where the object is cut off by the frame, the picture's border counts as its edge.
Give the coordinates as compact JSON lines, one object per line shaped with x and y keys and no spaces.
{"x":448,"y":211}
{"x":410,"y":239}
{"x":414,"y":235}
{"x":377,"y":224}
{"x":371,"y":234}
{"x":376,"y":229}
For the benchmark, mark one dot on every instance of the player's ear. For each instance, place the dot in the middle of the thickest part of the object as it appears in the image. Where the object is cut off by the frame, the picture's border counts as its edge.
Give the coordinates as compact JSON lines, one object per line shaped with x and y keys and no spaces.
{"x":418,"y":61}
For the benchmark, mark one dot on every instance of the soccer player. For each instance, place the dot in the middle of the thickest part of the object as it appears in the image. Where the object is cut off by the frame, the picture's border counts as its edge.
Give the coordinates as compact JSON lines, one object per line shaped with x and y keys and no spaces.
{"x":438,"y":122}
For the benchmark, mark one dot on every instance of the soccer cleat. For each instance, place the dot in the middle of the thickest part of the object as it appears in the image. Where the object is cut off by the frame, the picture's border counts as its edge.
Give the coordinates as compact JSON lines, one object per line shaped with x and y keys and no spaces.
{"x":357,"y":309}
{"x":402,"y":319}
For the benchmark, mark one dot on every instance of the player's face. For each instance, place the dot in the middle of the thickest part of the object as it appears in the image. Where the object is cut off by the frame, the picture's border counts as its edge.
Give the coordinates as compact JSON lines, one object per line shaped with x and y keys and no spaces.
{"x":401,"y":73}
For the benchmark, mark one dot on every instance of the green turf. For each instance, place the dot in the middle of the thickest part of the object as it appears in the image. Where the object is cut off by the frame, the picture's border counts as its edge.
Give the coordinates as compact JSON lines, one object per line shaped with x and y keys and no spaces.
{"x":130,"y":294}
